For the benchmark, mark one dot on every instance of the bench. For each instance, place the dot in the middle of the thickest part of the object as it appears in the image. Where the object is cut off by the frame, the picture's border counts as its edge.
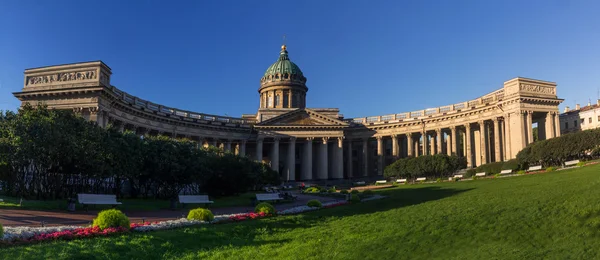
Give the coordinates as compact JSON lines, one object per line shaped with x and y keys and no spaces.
{"x":480,"y":174}
{"x":381,"y":182}
{"x":268,"y":197}
{"x":401,"y":180}
{"x":97,"y":199}
{"x":534,"y":168}
{"x":459,"y":176}
{"x":194,"y":199}
{"x":421,"y":179}
{"x":360,"y":183}
{"x":506,"y":172}
{"x":571,"y":163}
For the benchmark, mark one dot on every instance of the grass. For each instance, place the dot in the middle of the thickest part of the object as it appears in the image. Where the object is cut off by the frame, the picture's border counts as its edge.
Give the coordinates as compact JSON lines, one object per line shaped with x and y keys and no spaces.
{"x":548,"y":215}
{"x":128,"y":204}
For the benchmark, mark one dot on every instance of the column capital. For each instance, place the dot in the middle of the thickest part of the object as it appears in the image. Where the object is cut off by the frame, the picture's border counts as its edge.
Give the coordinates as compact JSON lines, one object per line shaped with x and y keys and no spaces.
{"x":438,"y":130}
{"x":325,"y":140}
{"x":481,"y":122}
{"x":341,"y":138}
{"x":452,"y":127}
{"x":529,"y":112}
{"x":394,"y":136}
{"x":379,"y":137}
{"x":293,"y":139}
{"x":468,"y":125}
{"x":310,"y":139}
{"x":495,"y":119}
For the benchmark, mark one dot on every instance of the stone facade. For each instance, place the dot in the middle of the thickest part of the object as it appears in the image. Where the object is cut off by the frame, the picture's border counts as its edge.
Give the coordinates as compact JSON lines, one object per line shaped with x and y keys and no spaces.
{"x":313,"y":144}
{"x":581,"y":118}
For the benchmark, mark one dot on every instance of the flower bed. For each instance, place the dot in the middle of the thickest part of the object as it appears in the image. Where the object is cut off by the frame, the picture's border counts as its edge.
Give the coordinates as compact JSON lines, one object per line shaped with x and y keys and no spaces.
{"x":23,"y":235}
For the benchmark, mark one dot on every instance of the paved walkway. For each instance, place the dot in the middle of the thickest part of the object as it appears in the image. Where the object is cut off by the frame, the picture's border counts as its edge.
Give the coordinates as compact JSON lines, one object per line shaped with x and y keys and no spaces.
{"x":33,"y":218}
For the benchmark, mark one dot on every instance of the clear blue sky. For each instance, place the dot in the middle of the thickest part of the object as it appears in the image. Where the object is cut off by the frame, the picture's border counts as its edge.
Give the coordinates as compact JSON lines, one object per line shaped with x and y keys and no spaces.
{"x":364,"y":57}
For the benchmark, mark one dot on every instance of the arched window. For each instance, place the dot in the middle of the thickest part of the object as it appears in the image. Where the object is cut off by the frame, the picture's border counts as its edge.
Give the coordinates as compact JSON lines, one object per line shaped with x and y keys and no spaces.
{"x":270,"y":101}
{"x":277,"y":100}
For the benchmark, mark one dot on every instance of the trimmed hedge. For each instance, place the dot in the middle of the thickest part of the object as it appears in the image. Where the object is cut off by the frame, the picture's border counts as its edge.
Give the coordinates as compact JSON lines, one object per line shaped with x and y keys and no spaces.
{"x":111,"y":218}
{"x":439,"y":165}
{"x":556,"y":151}
{"x":354,"y":198}
{"x":265,"y":207}
{"x":200,"y":214}
{"x":497,"y":167}
{"x":314,"y":204}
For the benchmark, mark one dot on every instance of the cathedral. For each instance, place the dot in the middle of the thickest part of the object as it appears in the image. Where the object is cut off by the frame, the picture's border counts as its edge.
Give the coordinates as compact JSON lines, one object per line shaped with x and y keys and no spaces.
{"x":307,"y":143}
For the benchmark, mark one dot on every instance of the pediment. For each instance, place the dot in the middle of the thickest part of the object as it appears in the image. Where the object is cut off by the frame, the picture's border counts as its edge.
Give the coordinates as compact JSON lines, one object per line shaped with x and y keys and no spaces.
{"x":303,"y":117}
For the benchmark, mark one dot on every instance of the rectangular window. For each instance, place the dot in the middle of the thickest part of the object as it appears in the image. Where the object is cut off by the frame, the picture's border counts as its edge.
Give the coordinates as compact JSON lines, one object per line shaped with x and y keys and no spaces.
{"x":277,"y":99}
{"x":575,"y":123}
{"x":270,"y":101}
{"x":566,"y":125}
{"x":598,"y":118}
{"x":590,"y":120}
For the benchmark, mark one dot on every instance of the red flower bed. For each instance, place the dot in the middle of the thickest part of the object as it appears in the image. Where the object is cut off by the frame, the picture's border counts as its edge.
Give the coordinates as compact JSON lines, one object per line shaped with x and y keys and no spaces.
{"x":242,"y":217}
{"x":78,"y":233}
{"x":341,"y":203}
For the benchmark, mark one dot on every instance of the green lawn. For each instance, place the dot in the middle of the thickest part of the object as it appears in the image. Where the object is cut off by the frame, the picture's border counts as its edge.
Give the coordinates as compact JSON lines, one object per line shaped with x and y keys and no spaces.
{"x":551,"y":215}
{"x":128,"y":204}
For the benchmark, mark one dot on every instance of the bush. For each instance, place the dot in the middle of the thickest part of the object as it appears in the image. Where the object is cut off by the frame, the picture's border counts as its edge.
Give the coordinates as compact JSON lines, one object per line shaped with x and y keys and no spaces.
{"x":265,"y":207}
{"x":314,"y":204}
{"x":550,"y":169}
{"x":521,"y":172}
{"x":332,"y":190}
{"x":511,"y":164}
{"x":580,"y":164}
{"x":490,"y":168}
{"x":200,"y":214}
{"x":438,"y":180}
{"x":312,"y":190}
{"x":470,"y":172}
{"x":354,"y":191}
{"x":111,"y":218}
{"x":496,"y":175}
{"x":475,"y":177}
{"x":555,"y":151}
{"x":367,"y":192}
{"x":425,"y":166}
{"x":344,"y":192}
{"x":354,"y":198}
{"x":456,"y":179}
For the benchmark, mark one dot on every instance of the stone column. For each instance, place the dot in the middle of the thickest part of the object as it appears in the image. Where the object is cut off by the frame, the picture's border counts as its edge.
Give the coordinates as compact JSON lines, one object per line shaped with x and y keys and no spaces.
{"x":556,"y":124}
{"x":439,"y":140}
{"x":366,"y":157}
{"x":290,"y":98}
{"x":448,"y":144}
{"x":523,"y":118}
{"x":497,"y":155}
{"x":291,"y":160}
{"x":549,"y":125}
{"x":507,"y":137}
{"x":379,"y":155}
{"x":242,"y":151}
{"x":483,"y":147}
{"x":530,"y":127}
{"x":432,"y":144}
{"x":468,"y":145}
{"x":323,"y":173}
{"x":349,"y":160}
{"x":453,"y":140}
{"x":259,"y":149}
{"x":339,"y":159}
{"x":409,"y":144}
{"x":307,"y":160}
{"x":425,"y":142}
{"x":395,"y":146}
{"x":275,"y":155}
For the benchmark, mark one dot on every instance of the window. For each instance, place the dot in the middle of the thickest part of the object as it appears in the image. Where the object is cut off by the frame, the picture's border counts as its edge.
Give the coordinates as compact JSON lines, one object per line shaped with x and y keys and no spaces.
{"x":566,"y":125}
{"x":575,"y":123}
{"x":598,"y":118}
{"x":582,"y":121}
{"x":590,"y":120}
{"x":277,"y":100}
{"x":270,"y":101}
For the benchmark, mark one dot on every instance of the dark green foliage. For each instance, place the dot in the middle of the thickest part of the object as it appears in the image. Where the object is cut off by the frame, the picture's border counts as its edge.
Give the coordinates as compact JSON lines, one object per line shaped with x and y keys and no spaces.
{"x":314,"y":204}
{"x":200,"y":214}
{"x":439,"y":165}
{"x":344,"y":192}
{"x":511,"y":164}
{"x":69,"y":155}
{"x":354,"y":198}
{"x":354,"y":191}
{"x":490,"y":168}
{"x":556,"y":151}
{"x":265,"y":207}
{"x":470,"y":173}
{"x":1,"y":230}
{"x":332,"y":190}
{"x":111,"y":218}
{"x":367,"y":192}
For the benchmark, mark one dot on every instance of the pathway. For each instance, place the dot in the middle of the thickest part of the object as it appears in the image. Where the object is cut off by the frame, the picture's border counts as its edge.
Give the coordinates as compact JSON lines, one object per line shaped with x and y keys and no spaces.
{"x":33,"y":218}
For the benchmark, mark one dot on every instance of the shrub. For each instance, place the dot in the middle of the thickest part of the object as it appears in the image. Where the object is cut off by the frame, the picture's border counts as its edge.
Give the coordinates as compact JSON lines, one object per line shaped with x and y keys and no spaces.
{"x":580,"y":164}
{"x":438,"y":180}
{"x":1,"y":230}
{"x":550,"y":169}
{"x":456,"y":179}
{"x":521,"y":172}
{"x":111,"y":218}
{"x":367,"y":192}
{"x":265,"y":207}
{"x":332,"y":190}
{"x":314,"y":204}
{"x":475,"y":177}
{"x":354,"y":198}
{"x":354,"y":191}
{"x":425,"y":166}
{"x":470,"y":172}
{"x":511,"y":164}
{"x":344,"y":192}
{"x":490,"y":168}
{"x":496,"y":175}
{"x":312,"y":190}
{"x":200,"y":214}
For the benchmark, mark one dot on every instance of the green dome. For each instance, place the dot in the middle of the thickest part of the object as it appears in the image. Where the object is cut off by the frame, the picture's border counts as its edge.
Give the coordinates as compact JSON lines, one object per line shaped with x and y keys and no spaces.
{"x":283,"y":66}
